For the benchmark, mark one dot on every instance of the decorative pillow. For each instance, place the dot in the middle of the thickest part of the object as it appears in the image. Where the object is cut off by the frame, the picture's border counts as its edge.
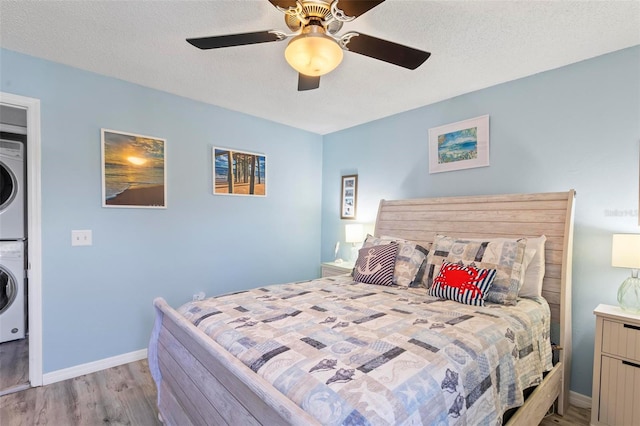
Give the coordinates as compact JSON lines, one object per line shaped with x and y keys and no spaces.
{"x":464,"y":284}
{"x":371,"y":241}
{"x":505,"y":256}
{"x":534,"y":274}
{"x":533,"y":264}
{"x":375,"y":264}
{"x":410,"y":260}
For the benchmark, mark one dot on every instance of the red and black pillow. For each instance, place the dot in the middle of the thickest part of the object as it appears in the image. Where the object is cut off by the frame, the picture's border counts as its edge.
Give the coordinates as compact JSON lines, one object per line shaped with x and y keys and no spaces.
{"x":464,"y":284}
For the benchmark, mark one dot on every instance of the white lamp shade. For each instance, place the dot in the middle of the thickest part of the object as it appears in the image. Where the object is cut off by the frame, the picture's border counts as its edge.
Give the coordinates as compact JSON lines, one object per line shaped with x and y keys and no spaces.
{"x":625,"y":252}
{"x":353,"y":233}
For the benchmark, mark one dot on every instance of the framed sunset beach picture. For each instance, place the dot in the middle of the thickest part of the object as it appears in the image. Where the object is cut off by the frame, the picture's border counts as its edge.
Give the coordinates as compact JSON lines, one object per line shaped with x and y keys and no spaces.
{"x":133,"y":170}
{"x":460,"y":145}
{"x":239,"y":173}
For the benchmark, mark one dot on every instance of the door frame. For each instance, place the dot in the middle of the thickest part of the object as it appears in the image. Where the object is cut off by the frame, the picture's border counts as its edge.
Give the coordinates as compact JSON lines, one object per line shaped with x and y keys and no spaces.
{"x":34,"y":229}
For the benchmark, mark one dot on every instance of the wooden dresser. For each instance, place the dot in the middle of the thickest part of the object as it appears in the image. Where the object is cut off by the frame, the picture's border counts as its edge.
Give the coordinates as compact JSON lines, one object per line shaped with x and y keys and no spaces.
{"x":616,"y":368}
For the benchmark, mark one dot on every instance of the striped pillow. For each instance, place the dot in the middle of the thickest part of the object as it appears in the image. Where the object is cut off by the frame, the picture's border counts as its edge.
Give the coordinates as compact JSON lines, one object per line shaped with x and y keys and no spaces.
{"x":375,"y":265}
{"x":410,"y":260}
{"x":464,"y":284}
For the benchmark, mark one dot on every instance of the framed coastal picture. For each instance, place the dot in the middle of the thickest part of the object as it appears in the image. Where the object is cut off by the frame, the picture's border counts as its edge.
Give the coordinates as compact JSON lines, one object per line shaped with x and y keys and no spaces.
{"x":133,"y":170}
{"x":461,"y":145}
{"x":349,"y":197}
{"x":239,"y":173}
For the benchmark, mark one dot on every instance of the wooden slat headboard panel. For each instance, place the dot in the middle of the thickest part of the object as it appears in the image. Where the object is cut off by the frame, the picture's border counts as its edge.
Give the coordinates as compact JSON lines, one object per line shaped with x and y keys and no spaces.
{"x":507,"y":216}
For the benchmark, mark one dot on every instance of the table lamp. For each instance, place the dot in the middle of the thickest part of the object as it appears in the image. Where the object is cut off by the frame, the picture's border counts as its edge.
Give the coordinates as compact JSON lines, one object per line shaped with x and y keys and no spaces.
{"x":625,"y":253}
{"x":353,"y":233}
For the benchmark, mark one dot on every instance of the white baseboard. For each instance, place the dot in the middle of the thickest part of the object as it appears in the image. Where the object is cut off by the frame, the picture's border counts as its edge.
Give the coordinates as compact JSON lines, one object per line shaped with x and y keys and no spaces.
{"x":579,"y":400}
{"x":92,"y":367}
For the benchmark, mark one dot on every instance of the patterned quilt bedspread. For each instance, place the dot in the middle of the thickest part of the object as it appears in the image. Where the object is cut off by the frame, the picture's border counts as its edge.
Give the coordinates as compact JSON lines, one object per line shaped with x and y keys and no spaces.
{"x":359,"y":354}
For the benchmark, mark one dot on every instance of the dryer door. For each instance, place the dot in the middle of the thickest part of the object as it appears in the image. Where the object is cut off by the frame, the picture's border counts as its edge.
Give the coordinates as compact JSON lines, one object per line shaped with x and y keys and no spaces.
{"x":8,"y":186}
{"x":8,"y":289}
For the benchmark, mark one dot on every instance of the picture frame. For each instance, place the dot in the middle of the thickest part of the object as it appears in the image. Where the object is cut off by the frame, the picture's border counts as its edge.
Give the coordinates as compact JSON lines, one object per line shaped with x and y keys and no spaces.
{"x":349,"y":197}
{"x":460,"y":145}
{"x":134,"y":170}
{"x":247,"y":175}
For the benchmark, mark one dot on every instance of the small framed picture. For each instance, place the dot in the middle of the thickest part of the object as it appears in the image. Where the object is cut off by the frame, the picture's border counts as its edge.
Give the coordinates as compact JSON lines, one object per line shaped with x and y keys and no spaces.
{"x":133,"y":170}
{"x":349,"y":197}
{"x":238,"y":172}
{"x":458,"y":146}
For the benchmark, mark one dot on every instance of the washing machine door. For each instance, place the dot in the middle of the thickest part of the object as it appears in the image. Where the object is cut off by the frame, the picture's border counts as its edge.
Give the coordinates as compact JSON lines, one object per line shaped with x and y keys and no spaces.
{"x":8,"y":186}
{"x":8,"y":289}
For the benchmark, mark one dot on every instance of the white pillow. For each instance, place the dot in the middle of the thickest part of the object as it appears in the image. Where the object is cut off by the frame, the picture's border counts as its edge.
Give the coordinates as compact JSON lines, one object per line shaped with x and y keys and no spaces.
{"x":534,"y":274}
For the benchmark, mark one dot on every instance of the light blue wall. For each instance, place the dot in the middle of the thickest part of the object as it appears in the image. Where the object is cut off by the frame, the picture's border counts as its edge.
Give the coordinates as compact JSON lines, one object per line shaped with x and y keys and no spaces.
{"x":575,"y":127}
{"x":97,"y":300}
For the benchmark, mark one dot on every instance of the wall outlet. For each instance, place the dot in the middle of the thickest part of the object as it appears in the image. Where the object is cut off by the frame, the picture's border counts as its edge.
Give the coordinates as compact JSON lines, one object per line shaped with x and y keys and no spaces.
{"x":81,"y":237}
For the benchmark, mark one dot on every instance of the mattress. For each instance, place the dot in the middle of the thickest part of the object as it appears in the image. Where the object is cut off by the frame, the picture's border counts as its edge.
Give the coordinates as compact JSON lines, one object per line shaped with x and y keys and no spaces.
{"x":351,"y":353}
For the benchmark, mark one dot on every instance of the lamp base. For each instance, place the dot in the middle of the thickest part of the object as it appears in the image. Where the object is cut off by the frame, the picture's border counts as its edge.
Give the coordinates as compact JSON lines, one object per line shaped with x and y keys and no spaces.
{"x":629,"y":295}
{"x":354,"y":253}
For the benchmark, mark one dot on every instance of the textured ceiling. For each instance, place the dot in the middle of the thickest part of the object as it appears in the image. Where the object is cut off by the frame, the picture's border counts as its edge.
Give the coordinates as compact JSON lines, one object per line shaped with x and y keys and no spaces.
{"x":474,"y":44}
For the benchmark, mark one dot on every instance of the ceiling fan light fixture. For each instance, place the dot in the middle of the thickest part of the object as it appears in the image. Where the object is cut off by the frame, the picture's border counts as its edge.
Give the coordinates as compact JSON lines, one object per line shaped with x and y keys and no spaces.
{"x":313,"y":53}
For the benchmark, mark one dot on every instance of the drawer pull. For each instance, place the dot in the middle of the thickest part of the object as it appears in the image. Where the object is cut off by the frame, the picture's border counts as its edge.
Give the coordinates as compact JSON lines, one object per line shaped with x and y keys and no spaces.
{"x":631,"y":364}
{"x":633,"y":327}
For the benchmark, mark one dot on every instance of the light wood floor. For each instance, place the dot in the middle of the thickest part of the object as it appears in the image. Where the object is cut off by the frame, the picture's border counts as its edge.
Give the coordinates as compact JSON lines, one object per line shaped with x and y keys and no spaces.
{"x":14,"y":365}
{"x":123,"y":395}
{"x":573,"y":417}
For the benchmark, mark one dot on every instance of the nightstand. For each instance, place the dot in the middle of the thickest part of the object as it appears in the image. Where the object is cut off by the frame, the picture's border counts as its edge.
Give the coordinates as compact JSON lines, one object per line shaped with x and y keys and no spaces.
{"x":615,"y":399}
{"x":333,"y":268}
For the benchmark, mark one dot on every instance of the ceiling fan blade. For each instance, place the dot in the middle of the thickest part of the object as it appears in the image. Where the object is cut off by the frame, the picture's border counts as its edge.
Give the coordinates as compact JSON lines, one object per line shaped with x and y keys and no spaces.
{"x":229,"y":40}
{"x":307,"y":82}
{"x":355,"y":8}
{"x":284,"y":4}
{"x":384,"y":50}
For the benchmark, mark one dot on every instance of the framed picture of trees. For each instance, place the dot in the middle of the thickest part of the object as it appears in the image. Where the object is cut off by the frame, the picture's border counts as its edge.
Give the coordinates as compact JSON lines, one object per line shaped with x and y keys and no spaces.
{"x":239,"y":173}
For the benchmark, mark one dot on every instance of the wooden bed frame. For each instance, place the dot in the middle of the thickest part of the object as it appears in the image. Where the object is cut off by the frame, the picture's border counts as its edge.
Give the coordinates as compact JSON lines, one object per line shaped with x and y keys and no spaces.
{"x":199,"y":382}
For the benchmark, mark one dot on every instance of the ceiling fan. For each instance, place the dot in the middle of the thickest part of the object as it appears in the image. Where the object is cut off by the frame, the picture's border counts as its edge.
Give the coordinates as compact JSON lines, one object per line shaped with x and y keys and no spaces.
{"x":314,"y":49}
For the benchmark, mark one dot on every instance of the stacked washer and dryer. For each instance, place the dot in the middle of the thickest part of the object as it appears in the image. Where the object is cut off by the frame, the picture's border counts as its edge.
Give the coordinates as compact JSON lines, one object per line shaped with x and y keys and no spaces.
{"x":12,"y":240}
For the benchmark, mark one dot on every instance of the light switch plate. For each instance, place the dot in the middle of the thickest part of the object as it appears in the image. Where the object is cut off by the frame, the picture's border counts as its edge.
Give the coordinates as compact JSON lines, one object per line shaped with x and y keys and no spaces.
{"x":81,"y":237}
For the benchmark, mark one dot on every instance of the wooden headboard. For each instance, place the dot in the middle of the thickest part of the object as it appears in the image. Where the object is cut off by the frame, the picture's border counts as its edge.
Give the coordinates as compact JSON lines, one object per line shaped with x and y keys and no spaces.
{"x":509,"y":216}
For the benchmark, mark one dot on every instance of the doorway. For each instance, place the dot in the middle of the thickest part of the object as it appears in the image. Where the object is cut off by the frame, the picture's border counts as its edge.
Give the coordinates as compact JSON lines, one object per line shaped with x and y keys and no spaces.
{"x":33,"y":264}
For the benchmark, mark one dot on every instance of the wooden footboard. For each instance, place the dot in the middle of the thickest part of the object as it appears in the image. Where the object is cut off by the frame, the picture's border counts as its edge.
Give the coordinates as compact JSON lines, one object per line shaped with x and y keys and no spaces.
{"x":200,"y":383}
{"x":537,"y":405}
